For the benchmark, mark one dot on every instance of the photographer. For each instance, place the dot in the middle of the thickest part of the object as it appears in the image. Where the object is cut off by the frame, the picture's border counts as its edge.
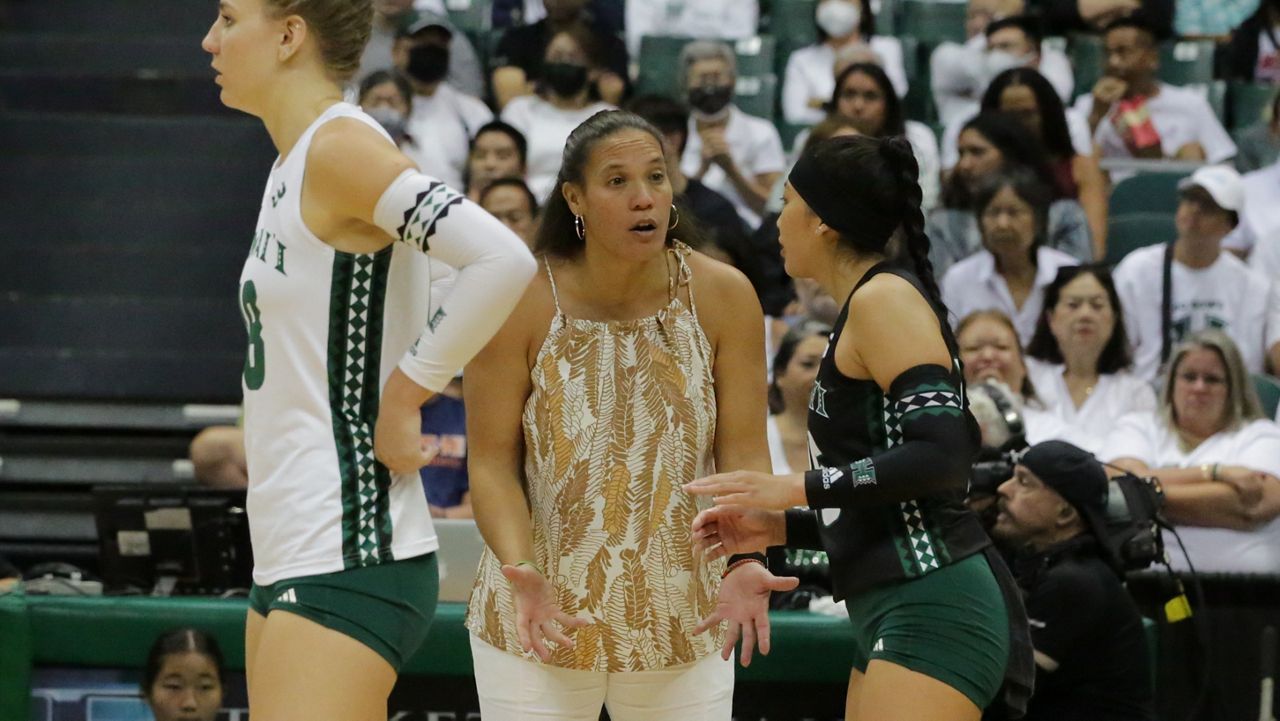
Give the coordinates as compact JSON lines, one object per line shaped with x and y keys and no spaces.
{"x":1091,"y":656}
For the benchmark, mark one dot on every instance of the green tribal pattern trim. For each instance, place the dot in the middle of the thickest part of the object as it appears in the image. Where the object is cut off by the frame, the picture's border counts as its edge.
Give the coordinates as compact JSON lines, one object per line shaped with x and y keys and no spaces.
{"x":357,"y":293}
{"x":914,"y":542}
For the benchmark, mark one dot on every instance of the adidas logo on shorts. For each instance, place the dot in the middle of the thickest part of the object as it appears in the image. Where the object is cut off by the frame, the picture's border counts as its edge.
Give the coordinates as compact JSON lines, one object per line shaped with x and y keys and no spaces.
{"x":879,"y":645}
{"x":287,"y":597}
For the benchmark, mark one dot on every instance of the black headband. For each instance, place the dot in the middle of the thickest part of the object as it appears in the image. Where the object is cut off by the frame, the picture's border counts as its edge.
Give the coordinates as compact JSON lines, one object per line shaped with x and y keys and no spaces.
{"x":848,"y":213}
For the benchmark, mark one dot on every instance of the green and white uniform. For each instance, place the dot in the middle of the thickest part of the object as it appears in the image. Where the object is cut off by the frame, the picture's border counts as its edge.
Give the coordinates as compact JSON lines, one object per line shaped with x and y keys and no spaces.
{"x":326,"y":329}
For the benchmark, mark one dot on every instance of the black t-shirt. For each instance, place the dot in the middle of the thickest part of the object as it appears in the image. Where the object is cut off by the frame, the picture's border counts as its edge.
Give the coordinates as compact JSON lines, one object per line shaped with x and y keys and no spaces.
{"x":1083,"y":618}
{"x":524,"y":47}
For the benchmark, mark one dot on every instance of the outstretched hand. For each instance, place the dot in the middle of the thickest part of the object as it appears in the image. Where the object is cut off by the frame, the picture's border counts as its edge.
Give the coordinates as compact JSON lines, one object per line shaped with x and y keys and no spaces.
{"x":744,"y":603}
{"x":725,"y":530}
{"x":751,"y":489}
{"x":539,"y":618}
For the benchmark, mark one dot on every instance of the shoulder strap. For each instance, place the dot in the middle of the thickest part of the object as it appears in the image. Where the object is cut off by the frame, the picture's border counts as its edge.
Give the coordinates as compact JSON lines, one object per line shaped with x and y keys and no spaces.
{"x":555,"y":297}
{"x":1166,"y":304}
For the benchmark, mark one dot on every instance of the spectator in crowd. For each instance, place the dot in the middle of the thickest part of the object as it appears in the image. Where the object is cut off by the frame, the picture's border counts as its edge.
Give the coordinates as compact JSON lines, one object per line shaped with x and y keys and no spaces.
{"x":1025,"y":94}
{"x":1210,"y":288}
{"x":391,"y":18}
{"x":1259,"y":144}
{"x":960,"y":73}
{"x":442,"y":118}
{"x":497,"y":151}
{"x":444,"y":426}
{"x":1090,"y":647}
{"x":1135,"y":115}
{"x":1253,"y":53}
{"x":711,"y":210}
{"x":1258,"y":217}
{"x":1079,"y":358}
{"x":992,"y":356}
{"x":521,"y":54}
{"x":1215,"y":455}
{"x":864,"y":94}
{"x":810,"y":74}
{"x":795,"y":367}
{"x":1064,"y":17}
{"x":182,"y":679}
{"x":990,"y":143}
{"x":705,"y":19}
{"x":562,"y":103}
{"x":218,"y":458}
{"x":387,"y":96}
{"x":1011,"y":271}
{"x":510,"y":201}
{"x":735,"y":154}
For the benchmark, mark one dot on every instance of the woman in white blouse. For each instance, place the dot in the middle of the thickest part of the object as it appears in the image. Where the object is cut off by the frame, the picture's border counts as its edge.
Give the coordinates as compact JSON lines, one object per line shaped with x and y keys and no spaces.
{"x":1079,"y":357}
{"x":810,"y":74}
{"x":1216,"y":456}
{"x":795,"y":367}
{"x":1011,"y":271}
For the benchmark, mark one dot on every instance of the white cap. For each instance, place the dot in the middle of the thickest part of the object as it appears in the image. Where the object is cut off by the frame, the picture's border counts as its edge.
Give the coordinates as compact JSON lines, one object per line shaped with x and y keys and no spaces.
{"x":1222,"y":183}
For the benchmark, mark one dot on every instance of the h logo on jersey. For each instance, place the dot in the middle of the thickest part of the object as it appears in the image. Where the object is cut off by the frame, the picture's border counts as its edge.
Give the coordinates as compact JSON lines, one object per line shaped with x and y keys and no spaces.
{"x":818,"y":400}
{"x":276,"y":196}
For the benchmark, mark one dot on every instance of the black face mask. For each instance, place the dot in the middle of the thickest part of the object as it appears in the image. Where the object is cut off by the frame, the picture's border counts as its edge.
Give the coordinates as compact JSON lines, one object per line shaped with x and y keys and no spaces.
{"x":710,"y":99}
{"x":564,"y":79}
{"x":428,"y":63}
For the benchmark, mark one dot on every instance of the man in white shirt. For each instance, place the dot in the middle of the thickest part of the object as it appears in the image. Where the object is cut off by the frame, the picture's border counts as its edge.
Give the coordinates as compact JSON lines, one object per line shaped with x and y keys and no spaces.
{"x":1210,"y":288}
{"x":443,"y":118}
{"x":735,"y":154}
{"x":960,"y":73}
{"x":1134,"y":115}
{"x":1258,"y":233}
{"x":709,"y":19}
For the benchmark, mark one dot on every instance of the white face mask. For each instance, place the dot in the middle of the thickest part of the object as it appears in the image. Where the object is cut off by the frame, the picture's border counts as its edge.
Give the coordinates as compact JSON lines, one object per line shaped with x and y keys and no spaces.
{"x":838,"y":18}
{"x":998,"y":61}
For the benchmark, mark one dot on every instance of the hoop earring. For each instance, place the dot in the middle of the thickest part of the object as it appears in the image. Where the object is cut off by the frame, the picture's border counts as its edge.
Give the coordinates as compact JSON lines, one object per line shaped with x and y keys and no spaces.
{"x":579,"y":227}
{"x":677,"y":214}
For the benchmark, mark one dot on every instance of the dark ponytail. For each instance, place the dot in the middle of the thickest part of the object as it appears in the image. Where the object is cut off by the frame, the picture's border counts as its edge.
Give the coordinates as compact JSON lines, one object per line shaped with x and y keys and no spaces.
{"x":901,"y":157}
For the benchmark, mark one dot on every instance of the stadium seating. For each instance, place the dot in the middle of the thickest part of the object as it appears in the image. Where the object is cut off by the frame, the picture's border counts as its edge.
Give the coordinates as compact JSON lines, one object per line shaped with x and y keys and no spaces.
{"x":1126,"y":233}
{"x":1249,"y":102}
{"x":933,"y":22}
{"x":1268,"y":389}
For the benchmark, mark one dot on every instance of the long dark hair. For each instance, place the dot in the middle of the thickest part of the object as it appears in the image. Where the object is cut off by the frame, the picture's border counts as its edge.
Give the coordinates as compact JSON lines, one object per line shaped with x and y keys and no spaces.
{"x":807,"y":328}
{"x":1043,"y":346}
{"x":1054,"y":134}
{"x":1016,"y":145}
{"x":1026,"y":186}
{"x":556,"y":235}
{"x":179,"y":640}
{"x":880,"y":177}
{"x":893,"y":124}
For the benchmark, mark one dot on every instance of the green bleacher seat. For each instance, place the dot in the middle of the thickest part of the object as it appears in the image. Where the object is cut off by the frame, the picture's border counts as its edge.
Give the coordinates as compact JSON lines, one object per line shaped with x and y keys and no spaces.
{"x":789,"y":132}
{"x":1085,"y":52}
{"x":1216,"y":94}
{"x":660,"y":62}
{"x":791,"y":23}
{"x":470,"y":15}
{"x":1249,"y":102}
{"x":1268,"y":389}
{"x":933,"y":22}
{"x":1150,"y":192}
{"x":1187,"y":62}
{"x":1128,"y":232}
{"x":757,"y":96}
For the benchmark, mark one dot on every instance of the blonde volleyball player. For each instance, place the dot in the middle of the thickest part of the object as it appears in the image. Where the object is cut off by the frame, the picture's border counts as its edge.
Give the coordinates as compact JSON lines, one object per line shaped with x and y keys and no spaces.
{"x":345,"y":344}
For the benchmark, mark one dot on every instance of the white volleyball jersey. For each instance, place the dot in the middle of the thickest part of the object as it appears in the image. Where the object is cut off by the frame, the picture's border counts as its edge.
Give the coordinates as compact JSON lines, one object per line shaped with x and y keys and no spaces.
{"x":326,"y":329}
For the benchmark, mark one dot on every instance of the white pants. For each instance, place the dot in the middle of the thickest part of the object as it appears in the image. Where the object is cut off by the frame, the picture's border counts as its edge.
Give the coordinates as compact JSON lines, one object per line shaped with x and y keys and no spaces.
{"x":512,"y":688}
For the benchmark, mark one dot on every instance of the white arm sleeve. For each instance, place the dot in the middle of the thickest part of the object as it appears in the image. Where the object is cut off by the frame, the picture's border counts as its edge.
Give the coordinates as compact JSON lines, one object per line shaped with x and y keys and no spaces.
{"x":494,"y":267}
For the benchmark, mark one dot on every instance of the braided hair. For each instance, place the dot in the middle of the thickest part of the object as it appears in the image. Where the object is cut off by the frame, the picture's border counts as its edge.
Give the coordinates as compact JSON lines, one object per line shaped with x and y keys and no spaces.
{"x":897,"y":150}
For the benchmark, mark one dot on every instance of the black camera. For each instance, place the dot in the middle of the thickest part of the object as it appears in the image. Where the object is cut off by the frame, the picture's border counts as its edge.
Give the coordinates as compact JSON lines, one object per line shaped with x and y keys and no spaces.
{"x":1132,"y":517}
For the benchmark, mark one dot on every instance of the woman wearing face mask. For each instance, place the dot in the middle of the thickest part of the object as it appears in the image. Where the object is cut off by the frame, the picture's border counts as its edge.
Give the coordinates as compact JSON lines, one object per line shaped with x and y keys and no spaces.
{"x":1011,"y":271}
{"x":1079,"y":357}
{"x":989,"y":143}
{"x":182,"y":679}
{"x":443,"y":118}
{"x":563,"y":102}
{"x":737,"y":155}
{"x":387,"y":96}
{"x":810,"y":77}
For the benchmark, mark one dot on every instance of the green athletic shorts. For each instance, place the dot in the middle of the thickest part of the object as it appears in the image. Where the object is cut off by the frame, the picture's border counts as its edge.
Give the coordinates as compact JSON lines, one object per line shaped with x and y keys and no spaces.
{"x":950,"y":625}
{"x":387,"y":607}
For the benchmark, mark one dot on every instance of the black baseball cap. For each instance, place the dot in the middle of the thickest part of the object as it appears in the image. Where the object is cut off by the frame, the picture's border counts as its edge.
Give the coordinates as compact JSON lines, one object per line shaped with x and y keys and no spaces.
{"x":1076,"y":476}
